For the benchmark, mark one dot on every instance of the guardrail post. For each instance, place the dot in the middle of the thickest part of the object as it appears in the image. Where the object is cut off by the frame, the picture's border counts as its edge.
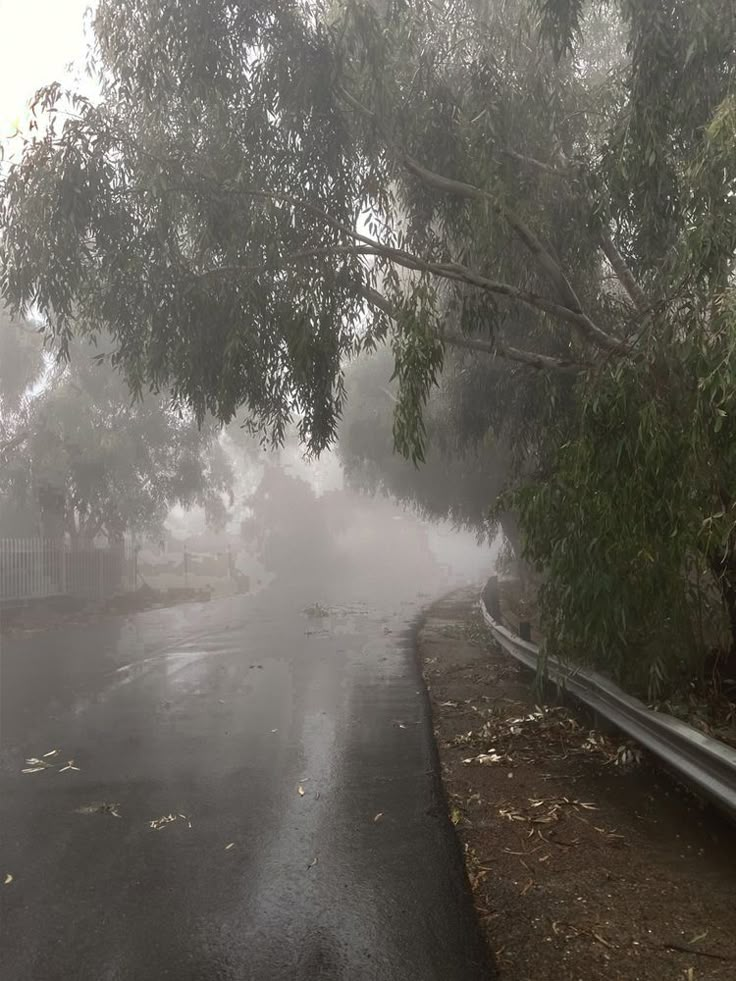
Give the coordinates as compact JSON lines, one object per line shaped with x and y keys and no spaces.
{"x":491,"y":598}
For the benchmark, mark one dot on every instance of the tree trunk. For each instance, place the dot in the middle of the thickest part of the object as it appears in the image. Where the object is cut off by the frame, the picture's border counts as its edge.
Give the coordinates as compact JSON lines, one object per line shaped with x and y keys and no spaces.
{"x":512,"y":533}
{"x":52,"y":506}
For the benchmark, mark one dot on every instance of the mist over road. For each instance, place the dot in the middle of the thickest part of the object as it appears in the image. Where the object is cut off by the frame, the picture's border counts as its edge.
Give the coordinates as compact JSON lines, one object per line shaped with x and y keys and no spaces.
{"x":275,"y":736}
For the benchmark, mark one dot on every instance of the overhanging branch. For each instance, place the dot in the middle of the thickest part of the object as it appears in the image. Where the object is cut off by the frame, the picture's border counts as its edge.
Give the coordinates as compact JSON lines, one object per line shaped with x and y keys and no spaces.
{"x":493,"y":348}
{"x":454,"y":271}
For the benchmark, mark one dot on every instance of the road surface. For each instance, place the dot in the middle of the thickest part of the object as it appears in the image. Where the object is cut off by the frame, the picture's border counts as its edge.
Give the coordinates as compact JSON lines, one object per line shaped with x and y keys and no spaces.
{"x":275,"y":739}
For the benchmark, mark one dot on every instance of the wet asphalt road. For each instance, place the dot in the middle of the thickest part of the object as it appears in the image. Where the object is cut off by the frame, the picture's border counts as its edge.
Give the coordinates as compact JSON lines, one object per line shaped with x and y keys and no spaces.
{"x":221,"y":712}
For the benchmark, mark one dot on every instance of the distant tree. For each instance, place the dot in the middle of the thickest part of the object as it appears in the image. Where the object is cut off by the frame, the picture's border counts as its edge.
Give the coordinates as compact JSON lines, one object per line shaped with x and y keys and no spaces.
{"x":86,"y":459}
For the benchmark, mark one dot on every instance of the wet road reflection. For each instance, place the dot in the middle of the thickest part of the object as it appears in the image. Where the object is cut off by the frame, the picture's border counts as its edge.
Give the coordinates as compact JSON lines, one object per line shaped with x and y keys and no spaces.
{"x":274,"y":731}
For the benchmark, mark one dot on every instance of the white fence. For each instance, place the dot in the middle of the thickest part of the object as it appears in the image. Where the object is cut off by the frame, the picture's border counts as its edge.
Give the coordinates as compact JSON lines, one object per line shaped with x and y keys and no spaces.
{"x":34,"y":568}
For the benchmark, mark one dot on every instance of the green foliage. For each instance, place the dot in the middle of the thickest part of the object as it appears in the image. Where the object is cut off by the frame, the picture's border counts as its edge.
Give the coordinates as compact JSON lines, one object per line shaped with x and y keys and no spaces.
{"x":637,"y":514}
{"x":265,"y":190}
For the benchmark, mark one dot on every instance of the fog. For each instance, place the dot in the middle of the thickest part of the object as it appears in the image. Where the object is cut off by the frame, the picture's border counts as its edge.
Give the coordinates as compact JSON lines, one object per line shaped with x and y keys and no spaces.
{"x":339,"y":341}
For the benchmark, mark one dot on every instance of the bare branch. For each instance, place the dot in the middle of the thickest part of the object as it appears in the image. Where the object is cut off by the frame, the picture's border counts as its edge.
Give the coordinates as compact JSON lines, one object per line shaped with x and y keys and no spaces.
{"x":542,"y":362}
{"x":536,"y":164}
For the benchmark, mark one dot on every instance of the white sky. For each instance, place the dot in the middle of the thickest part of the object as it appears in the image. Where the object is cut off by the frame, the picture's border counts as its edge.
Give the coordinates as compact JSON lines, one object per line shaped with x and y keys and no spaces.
{"x":40,"y":37}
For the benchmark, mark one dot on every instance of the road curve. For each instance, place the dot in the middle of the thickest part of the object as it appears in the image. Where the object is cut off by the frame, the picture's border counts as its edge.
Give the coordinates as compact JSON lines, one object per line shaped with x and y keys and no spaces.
{"x":310,"y":839}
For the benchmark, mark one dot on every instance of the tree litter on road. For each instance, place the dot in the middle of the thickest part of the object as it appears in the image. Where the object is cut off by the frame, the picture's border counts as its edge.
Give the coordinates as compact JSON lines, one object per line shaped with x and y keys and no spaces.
{"x":37,"y":764}
{"x":158,"y":824}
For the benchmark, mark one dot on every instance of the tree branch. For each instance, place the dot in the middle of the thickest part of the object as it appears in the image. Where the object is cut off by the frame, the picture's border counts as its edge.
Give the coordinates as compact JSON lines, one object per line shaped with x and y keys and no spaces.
{"x":495,"y":349}
{"x":547,"y":263}
{"x":537,"y":164}
{"x":623,"y":273}
{"x":542,"y":362}
{"x":447,"y":270}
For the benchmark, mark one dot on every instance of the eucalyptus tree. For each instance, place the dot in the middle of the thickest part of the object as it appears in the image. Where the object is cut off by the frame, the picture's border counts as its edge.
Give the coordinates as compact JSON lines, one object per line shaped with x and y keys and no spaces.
{"x":265,"y":189}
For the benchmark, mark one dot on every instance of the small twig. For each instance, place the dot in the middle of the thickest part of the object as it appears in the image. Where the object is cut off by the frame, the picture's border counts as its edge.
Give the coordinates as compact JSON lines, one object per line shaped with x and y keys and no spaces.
{"x":685,"y":949}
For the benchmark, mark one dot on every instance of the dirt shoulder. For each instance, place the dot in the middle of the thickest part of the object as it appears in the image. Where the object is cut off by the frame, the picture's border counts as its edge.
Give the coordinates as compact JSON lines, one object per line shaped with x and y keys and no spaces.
{"x":585,"y":861}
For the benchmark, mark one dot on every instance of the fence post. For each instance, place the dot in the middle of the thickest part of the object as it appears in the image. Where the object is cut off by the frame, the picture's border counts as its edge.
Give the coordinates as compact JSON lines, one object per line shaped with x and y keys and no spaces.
{"x":101,"y":571}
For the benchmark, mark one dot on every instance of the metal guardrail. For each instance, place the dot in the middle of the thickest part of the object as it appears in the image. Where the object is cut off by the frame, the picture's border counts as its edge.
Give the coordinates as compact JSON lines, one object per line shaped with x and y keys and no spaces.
{"x":703,"y":763}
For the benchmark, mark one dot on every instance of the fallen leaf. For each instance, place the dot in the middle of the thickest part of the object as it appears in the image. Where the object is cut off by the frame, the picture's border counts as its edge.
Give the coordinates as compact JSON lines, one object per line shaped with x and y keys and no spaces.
{"x":51,"y":752}
{"x":378,"y":817}
{"x":700,"y":936}
{"x":158,"y":823}
{"x":300,"y":790}
{"x":483,"y":759}
{"x":228,"y":847}
{"x":8,"y":878}
{"x":34,"y":769}
{"x":602,"y":940}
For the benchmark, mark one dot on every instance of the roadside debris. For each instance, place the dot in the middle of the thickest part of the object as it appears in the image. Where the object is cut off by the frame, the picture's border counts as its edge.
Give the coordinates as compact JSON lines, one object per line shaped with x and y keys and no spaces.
{"x":300,"y":790}
{"x":8,"y":879}
{"x":490,"y":757}
{"x":157,"y":824}
{"x":36,"y":764}
{"x":581,"y":866}
{"x":228,"y":847}
{"x":378,"y":817}
{"x":99,"y":807}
